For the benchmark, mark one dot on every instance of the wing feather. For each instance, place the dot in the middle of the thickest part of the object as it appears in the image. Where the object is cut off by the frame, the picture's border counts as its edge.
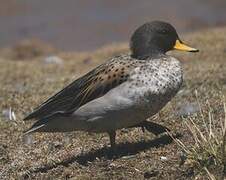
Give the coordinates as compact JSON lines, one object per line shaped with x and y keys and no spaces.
{"x":92,"y":85}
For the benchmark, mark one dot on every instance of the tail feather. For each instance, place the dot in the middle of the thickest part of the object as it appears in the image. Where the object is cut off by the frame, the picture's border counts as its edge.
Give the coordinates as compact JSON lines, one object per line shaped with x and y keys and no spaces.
{"x":40,"y":124}
{"x":49,"y":123}
{"x":33,"y":129}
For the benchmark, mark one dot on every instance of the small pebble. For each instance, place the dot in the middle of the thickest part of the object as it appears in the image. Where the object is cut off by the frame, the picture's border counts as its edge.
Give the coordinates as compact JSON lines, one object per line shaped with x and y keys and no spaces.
{"x":8,"y":114}
{"x":129,"y":157}
{"x":28,"y":139}
{"x":163,"y":158}
{"x":112,"y":165}
{"x":187,"y":109}
{"x":53,"y":60}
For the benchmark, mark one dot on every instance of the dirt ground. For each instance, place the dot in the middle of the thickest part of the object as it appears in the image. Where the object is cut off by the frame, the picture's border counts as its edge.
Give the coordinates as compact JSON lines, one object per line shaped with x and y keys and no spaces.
{"x":78,"y":155}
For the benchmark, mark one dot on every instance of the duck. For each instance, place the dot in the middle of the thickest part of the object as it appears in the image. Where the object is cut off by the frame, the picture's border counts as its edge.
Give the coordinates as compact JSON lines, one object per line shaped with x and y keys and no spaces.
{"x":123,"y":92}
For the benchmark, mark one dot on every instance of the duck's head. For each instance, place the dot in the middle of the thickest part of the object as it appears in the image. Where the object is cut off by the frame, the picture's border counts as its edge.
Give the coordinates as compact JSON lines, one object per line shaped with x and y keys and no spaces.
{"x":156,"y":38}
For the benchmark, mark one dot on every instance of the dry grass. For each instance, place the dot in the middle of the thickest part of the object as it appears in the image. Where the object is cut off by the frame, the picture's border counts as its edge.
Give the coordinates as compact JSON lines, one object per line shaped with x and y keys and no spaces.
{"x":208,"y":152}
{"x":78,"y":155}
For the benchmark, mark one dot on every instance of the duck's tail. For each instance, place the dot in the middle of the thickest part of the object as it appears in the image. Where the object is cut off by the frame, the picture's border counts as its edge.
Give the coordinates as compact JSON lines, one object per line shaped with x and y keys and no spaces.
{"x":57,"y":122}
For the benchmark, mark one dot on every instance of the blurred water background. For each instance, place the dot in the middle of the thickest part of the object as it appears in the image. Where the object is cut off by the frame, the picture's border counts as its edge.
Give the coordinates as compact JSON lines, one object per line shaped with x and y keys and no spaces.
{"x":89,"y":24}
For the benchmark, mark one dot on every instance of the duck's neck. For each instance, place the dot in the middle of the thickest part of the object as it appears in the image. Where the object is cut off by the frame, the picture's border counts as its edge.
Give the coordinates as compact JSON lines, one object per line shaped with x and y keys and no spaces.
{"x":148,"y":55}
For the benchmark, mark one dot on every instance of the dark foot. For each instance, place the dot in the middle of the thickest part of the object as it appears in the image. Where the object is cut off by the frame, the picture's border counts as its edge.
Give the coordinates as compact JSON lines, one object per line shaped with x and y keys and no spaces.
{"x":152,"y":127}
{"x":112,"y":135}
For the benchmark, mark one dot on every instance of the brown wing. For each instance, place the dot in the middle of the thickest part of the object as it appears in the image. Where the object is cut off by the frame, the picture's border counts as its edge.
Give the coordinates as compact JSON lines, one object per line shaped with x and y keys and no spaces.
{"x":88,"y":87}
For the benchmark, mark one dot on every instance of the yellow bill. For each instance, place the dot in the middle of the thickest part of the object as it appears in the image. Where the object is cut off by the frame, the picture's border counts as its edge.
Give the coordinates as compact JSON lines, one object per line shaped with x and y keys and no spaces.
{"x":182,"y":47}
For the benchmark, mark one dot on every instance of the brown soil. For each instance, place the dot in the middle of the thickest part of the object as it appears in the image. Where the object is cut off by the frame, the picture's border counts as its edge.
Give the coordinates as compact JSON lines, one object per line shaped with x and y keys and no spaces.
{"x":78,"y":155}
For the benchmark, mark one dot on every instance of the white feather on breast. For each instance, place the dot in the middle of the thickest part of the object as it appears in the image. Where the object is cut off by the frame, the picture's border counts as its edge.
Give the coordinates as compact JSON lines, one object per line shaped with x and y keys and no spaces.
{"x":155,"y":82}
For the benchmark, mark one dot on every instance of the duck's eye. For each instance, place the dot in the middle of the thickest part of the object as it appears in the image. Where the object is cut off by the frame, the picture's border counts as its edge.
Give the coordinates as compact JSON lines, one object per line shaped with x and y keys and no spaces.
{"x":163,"y":31}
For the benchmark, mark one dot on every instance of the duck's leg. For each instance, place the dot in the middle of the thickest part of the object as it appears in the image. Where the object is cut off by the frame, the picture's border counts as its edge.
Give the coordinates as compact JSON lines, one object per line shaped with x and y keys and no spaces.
{"x":112,"y":135}
{"x":152,"y":127}
{"x":155,"y":128}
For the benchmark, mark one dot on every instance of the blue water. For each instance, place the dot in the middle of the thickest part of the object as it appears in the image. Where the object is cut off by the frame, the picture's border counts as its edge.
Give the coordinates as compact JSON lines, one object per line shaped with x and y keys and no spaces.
{"x":88,"y":24}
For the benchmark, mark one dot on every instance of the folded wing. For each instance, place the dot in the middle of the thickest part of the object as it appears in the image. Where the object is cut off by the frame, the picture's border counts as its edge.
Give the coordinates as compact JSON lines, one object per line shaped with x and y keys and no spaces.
{"x":94,"y":84}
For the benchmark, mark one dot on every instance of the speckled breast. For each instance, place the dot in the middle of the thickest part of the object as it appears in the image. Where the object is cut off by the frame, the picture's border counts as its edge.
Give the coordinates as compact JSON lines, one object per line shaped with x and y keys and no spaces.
{"x":155,"y":83}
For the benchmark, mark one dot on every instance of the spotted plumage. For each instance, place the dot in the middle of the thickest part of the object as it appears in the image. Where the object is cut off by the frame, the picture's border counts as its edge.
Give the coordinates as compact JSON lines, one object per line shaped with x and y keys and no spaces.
{"x":92,"y":85}
{"x":121,"y":93}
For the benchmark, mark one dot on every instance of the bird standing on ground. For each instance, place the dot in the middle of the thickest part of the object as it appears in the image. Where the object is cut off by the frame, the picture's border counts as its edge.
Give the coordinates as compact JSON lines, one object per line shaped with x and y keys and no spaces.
{"x":122,"y":92}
